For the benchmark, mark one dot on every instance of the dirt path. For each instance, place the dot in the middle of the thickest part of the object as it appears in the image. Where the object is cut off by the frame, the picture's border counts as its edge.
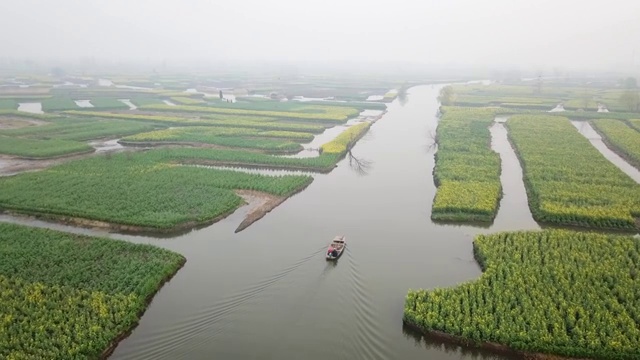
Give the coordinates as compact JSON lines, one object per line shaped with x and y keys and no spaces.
{"x":12,"y":165}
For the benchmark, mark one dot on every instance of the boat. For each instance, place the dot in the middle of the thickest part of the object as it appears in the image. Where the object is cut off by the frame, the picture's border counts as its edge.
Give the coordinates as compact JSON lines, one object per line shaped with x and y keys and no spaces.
{"x":336,"y":248}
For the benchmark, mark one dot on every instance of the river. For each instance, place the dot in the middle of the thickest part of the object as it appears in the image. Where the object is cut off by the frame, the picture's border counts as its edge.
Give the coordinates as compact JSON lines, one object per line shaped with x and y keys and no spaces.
{"x":268,"y":293}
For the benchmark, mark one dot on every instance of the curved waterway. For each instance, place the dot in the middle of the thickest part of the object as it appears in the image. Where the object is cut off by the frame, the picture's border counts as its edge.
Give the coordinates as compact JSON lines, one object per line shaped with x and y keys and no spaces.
{"x":596,"y":140}
{"x":268,"y":293}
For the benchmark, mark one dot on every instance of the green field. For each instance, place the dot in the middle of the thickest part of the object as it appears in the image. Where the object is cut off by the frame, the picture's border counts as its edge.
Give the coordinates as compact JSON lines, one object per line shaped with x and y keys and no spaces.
{"x":107,"y":103}
{"x":70,"y":296}
{"x":80,"y":129}
{"x":183,"y":100}
{"x":331,"y":114}
{"x":217,"y":120}
{"x":233,"y":137}
{"x":37,"y":148}
{"x":621,"y":138}
{"x":8,"y":104}
{"x":467,"y":171}
{"x":567,"y":293}
{"x":58,"y":103}
{"x":136,"y":190}
{"x":568,"y":181}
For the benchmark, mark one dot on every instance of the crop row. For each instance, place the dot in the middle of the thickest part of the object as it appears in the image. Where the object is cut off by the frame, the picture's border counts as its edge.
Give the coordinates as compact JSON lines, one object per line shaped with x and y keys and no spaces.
{"x":129,"y":189}
{"x":346,"y":139}
{"x":46,"y":117}
{"x":78,"y":129}
{"x":212,"y":135}
{"x":328,"y":113}
{"x":323,"y":163}
{"x":560,"y":292}
{"x":40,"y":148}
{"x":467,"y":171}
{"x":225,"y":121}
{"x":332,"y":152}
{"x":568,"y":181}
{"x":108,"y":103}
{"x":70,"y":296}
{"x":622,"y":138}
{"x":249,"y":103}
{"x":186,"y":100}
{"x":58,"y":103}
{"x":8,"y":104}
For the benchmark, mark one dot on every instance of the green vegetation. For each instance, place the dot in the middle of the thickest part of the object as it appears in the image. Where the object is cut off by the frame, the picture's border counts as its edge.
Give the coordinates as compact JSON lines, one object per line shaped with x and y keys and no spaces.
{"x":323,"y":163}
{"x":133,"y":189}
{"x":70,"y":296}
{"x":58,"y":103}
{"x":108,"y":103}
{"x":8,"y":104}
{"x":234,"y":137}
{"x":143,"y":100}
{"x":623,"y":139}
{"x":35,"y":148}
{"x":80,"y":129}
{"x":328,"y":114}
{"x":291,"y":135}
{"x":586,"y":103}
{"x":187,"y":100}
{"x":635,"y":123}
{"x":45,"y":117}
{"x":568,"y":181}
{"x":467,"y":171}
{"x":224,"y":121}
{"x":567,"y":293}
{"x":249,"y":103}
{"x":346,"y":139}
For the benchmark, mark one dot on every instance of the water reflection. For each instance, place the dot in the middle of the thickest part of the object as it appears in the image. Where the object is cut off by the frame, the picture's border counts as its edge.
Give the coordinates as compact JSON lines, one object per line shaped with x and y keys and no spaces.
{"x":437,"y":344}
{"x":359,"y":165}
{"x":402,"y":96}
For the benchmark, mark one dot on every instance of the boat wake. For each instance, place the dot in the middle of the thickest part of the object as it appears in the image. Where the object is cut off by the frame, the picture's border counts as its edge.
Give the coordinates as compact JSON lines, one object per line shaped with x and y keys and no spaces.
{"x":205,"y":324}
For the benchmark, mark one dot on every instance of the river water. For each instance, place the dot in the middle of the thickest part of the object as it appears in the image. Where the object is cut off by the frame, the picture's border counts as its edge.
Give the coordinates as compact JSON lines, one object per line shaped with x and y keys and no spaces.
{"x":596,"y":140}
{"x":268,"y":293}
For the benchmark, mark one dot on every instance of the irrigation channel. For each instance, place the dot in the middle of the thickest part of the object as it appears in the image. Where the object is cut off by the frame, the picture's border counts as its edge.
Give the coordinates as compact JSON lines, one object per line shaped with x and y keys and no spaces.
{"x":268,"y":293}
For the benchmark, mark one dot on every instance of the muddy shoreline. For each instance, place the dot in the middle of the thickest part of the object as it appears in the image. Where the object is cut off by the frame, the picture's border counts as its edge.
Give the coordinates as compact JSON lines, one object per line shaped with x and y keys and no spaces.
{"x":263,"y":203}
{"x":258,"y":211}
{"x":114,"y":343}
{"x":491,"y":346}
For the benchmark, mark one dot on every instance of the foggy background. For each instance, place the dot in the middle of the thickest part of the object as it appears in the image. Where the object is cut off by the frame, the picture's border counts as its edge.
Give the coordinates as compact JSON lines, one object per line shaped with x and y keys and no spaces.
{"x":542,"y":33}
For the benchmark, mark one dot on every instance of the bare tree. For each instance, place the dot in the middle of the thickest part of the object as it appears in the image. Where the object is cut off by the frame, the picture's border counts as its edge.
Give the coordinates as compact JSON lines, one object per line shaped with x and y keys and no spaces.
{"x":359,"y":165}
{"x":432,"y":140}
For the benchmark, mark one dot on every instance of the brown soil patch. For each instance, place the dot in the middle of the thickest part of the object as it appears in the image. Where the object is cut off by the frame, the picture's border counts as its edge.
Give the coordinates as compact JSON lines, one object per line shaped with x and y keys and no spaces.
{"x":15,"y":122}
{"x":491,"y":346}
{"x":260,"y":204}
{"x":13,"y":165}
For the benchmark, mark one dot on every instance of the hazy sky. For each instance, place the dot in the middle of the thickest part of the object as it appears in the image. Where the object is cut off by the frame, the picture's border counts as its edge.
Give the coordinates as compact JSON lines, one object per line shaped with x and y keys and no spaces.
{"x":538,"y":32}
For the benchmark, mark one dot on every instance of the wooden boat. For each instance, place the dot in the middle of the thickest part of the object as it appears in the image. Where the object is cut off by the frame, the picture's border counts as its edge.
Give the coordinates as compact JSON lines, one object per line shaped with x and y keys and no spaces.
{"x":336,"y":248}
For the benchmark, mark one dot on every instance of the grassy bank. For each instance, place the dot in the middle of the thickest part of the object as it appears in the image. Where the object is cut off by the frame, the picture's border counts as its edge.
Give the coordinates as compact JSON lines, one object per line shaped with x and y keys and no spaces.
{"x":467,"y":171}
{"x":568,"y":181}
{"x":554,"y":292}
{"x":73,"y":296}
